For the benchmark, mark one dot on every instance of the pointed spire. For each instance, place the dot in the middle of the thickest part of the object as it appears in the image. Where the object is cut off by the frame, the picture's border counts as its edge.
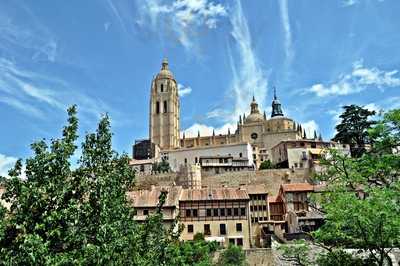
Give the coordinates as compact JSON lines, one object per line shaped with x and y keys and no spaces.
{"x":276,"y":106}
{"x":265,"y":116}
{"x":213,"y":133}
{"x":254,"y":99}
{"x":315,"y":134}
{"x":294,"y":126}
{"x":240,"y":119}
{"x":229,"y":131}
{"x":304,"y":135}
{"x":320,"y":137}
{"x":244,"y":117}
{"x":183,"y":135}
{"x":198,"y":133}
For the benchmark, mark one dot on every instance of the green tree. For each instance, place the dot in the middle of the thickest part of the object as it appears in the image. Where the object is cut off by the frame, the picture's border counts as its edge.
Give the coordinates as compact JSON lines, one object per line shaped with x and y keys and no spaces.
{"x":362,"y":198}
{"x":353,"y":128}
{"x":232,"y":256}
{"x":266,"y":165}
{"x":63,"y":215}
{"x":296,"y":253}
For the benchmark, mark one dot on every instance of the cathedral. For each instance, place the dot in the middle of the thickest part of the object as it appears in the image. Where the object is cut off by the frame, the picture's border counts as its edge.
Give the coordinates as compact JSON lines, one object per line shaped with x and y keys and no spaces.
{"x":254,"y":128}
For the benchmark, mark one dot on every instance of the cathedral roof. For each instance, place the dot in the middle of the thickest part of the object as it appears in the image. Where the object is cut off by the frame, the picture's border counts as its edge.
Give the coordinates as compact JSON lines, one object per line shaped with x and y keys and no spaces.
{"x":255,"y":115}
{"x":165,"y":73}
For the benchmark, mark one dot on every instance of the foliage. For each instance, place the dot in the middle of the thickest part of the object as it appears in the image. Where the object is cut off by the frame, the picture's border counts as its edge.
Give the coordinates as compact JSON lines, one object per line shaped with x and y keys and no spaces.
{"x":341,"y":258}
{"x":355,"y":122}
{"x":197,"y":252}
{"x":63,"y":215}
{"x":296,"y":252}
{"x":161,"y":167}
{"x":266,"y":165}
{"x":362,"y":198}
{"x":232,"y":256}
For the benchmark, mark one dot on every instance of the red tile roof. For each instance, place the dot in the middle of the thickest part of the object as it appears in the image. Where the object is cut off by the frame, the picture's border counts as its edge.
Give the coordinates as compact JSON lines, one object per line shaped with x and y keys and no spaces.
{"x":297,"y":187}
{"x":149,"y":198}
{"x":214,"y":194}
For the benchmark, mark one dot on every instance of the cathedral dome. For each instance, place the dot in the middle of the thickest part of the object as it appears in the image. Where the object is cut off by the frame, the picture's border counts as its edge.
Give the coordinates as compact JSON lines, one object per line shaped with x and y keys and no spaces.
{"x":165,"y":73}
{"x":255,"y":115}
{"x":254,"y":118}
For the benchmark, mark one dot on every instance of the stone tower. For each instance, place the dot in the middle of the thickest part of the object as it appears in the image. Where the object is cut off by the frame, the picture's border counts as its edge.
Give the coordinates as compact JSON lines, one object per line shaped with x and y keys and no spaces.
{"x":164,"y":110}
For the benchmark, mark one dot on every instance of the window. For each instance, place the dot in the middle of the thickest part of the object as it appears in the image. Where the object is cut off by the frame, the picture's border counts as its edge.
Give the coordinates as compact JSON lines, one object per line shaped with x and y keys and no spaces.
{"x":243,"y":211}
{"x":157,"y":107}
{"x":313,"y":145}
{"x":195,"y":160}
{"x":239,"y":242}
{"x":222,"y":212}
{"x":240,"y":155}
{"x":207,"y":230}
{"x":301,"y":165}
{"x":295,"y":165}
{"x":194,"y":212}
{"x":231,"y":241}
{"x":145,"y":212}
{"x":220,"y":160}
{"x":185,"y":160}
{"x":208,"y":212}
{"x":215,"y":212}
{"x":187,"y":213}
{"x":162,"y":87}
{"x":229,"y":211}
{"x":235,"y":211}
{"x":238,"y":227}
{"x":190,"y":228}
{"x":302,"y":144}
{"x":165,"y":107}
{"x":222,"y":229}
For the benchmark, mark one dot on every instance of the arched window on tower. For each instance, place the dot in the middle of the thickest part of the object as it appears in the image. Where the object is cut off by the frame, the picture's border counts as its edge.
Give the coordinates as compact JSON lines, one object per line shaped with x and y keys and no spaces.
{"x":157,"y":107}
{"x":165,"y":107}
{"x":162,"y":87}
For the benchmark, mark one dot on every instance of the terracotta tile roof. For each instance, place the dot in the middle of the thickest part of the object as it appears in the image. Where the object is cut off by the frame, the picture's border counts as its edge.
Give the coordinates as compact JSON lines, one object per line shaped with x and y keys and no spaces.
{"x":297,"y":187}
{"x":149,"y":198}
{"x":214,"y":194}
{"x":273,"y":199}
{"x":255,"y":189}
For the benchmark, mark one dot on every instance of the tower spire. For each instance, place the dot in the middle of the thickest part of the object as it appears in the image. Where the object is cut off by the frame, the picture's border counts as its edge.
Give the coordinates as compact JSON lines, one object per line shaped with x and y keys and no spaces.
{"x":275,"y":98}
{"x":276,"y":106}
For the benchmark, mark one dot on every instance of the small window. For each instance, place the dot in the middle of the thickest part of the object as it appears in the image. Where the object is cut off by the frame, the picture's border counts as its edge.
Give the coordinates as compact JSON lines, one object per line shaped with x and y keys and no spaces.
{"x":157,"y":107}
{"x":209,"y":212}
{"x":229,"y":212}
{"x":195,"y":160}
{"x":239,"y":227}
{"x":222,"y":229}
{"x":145,"y":212}
{"x":239,"y":241}
{"x":190,"y":228}
{"x":235,"y":211}
{"x":162,"y":87}
{"x":301,"y":165}
{"x":207,"y":230}
{"x":231,"y":241}
{"x":185,"y":160}
{"x":188,"y":213}
{"x":165,"y":107}
{"x":295,"y":165}
{"x":222,"y":212}
{"x":215,"y":212}
{"x":194,"y":212}
{"x":240,"y":155}
{"x":243,"y":211}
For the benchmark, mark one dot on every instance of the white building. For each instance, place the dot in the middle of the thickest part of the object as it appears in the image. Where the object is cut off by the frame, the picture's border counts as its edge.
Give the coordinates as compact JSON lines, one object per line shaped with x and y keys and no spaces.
{"x":186,"y":156}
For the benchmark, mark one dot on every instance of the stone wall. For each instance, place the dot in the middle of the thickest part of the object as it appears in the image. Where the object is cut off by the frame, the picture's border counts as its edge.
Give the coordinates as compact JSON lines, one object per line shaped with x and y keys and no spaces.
{"x":272,"y":178}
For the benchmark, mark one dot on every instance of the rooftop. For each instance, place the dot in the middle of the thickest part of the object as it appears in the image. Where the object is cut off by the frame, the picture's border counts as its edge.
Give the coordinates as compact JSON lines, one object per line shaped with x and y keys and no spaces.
{"x":294,"y":187}
{"x":149,"y":198}
{"x":214,"y":194}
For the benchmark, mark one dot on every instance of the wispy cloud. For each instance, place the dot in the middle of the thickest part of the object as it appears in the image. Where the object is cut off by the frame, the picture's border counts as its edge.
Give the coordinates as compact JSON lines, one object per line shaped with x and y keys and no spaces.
{"x":30,"y":93}
{"x":248,"y":76}
{"x":184,"y":18}
{"x":184,"y":91}
{"x":284,"y":10}
{"x":6,"y":163}
{"x":358,"y":80}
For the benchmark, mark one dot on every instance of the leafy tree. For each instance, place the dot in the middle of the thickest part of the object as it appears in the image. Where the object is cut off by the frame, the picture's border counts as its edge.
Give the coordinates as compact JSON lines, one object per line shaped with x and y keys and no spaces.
{"x":362,"y":198}
{"x":266,"y":165}
{"x":353,"y":128}
{"x":63,"y":215}
{"x":161,"y":167}
{"x":232,"y":256}
{"x":296,"y":252}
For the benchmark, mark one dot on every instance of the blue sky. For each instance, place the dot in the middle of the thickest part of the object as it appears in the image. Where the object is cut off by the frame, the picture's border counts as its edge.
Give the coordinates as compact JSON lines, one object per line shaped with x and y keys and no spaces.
{"x":102,"y":55}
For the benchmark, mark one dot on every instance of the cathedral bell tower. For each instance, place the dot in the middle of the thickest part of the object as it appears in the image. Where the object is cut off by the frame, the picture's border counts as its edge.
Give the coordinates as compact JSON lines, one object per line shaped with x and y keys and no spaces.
{"x":164,"y":110}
